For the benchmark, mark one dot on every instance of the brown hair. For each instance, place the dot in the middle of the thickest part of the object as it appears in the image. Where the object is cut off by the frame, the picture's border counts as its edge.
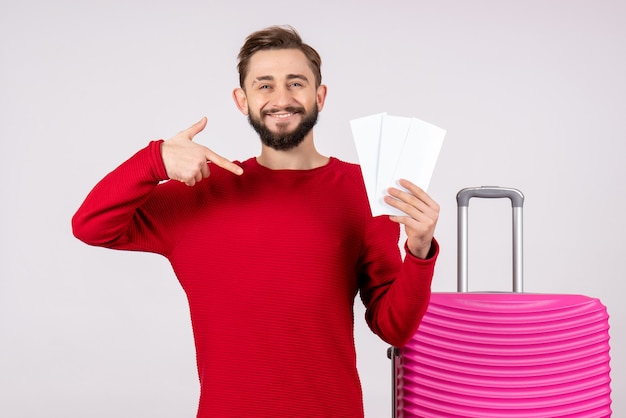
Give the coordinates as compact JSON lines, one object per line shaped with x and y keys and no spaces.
{"x":277,"y":37}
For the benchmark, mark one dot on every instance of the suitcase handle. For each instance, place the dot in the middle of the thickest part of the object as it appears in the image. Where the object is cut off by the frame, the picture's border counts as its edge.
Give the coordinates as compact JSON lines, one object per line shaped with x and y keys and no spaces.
{"x":517,"y":203}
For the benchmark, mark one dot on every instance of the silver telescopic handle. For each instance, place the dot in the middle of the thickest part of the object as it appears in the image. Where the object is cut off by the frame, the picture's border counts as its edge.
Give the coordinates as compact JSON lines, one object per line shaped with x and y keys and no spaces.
{"x":517,"y":203}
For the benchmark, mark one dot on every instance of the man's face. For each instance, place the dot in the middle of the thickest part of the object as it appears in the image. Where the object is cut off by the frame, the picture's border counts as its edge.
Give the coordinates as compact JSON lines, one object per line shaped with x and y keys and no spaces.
{"x":280,"y":97}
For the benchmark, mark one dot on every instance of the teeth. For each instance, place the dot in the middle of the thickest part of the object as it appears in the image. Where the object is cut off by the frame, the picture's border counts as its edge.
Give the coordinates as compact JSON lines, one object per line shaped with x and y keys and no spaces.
{"x":282,"y":115}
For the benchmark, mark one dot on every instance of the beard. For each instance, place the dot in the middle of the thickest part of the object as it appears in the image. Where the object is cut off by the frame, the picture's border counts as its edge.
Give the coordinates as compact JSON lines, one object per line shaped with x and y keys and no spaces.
{"x":284,"y":141}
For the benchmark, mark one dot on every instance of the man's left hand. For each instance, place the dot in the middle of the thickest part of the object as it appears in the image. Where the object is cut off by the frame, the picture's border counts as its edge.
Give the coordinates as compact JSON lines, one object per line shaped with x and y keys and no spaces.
{"x":420,"y":221}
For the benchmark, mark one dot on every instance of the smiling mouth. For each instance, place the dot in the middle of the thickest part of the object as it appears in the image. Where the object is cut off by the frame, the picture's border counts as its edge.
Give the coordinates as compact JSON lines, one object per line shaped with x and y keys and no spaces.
{"x":280,"y":115}
{"x":283,"y":114}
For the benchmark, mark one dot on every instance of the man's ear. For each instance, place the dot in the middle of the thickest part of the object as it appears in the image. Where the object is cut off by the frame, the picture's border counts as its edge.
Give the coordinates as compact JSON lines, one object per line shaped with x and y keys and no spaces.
{"x":239,"y":95}
{"x":321,"y":96}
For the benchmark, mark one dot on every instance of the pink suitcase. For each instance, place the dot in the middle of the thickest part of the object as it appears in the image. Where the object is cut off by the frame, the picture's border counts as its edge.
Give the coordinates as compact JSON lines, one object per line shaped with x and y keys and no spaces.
{"x":504,"y":355}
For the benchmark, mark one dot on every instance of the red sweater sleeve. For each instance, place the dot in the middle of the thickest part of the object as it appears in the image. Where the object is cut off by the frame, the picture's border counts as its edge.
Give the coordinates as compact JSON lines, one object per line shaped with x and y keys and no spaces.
{"x":395,"y":305}
{"x":110,"y":215}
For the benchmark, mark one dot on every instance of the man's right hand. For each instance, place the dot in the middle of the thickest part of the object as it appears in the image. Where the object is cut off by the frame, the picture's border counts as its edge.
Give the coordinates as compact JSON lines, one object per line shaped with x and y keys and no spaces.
{"x":187,"y":161}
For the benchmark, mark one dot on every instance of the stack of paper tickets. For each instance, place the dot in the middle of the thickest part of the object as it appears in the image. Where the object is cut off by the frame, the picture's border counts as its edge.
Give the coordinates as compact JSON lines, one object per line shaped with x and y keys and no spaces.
{"x":393,"y":147}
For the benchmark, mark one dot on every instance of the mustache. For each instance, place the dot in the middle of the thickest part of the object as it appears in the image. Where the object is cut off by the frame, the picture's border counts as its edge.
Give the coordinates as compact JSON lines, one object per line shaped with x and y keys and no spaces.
{"x":290,"y":109}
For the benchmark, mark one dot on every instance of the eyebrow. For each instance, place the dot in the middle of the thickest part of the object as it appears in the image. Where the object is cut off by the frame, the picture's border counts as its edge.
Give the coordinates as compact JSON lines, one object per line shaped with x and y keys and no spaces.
{"x":289,"y":77}
{"x":297,"y":77}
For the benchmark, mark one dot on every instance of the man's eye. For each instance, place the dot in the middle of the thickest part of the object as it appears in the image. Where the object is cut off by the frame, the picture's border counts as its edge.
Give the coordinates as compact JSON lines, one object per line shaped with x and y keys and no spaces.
{"x":264,"y":87}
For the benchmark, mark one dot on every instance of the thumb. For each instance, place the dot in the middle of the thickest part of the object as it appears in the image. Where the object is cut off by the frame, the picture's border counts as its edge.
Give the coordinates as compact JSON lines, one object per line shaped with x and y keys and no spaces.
{"x":195,"y":129}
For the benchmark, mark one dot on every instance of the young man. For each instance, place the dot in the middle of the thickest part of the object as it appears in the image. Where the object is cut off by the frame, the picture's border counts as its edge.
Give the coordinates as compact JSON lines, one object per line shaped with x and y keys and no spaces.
{"x":272,"y":251}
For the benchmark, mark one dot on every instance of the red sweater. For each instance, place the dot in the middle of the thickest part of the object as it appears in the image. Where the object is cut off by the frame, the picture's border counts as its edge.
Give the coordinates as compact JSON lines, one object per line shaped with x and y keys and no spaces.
{"x":271,"y":262}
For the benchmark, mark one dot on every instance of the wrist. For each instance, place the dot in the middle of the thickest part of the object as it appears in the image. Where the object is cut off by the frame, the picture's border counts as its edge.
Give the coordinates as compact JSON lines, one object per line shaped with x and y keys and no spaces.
{"x":425,"y":252}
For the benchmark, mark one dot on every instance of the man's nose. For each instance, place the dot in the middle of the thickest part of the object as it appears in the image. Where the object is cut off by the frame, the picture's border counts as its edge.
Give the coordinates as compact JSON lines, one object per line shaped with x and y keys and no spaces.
{"x":282,"y":97}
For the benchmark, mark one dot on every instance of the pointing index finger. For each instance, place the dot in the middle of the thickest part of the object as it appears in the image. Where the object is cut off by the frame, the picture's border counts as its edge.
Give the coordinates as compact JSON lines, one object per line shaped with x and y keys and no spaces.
{"x":223,"y":162}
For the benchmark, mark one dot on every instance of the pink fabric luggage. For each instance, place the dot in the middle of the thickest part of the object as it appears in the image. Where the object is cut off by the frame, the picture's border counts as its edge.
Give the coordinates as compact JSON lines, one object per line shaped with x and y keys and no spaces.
{"x":504,"y":355}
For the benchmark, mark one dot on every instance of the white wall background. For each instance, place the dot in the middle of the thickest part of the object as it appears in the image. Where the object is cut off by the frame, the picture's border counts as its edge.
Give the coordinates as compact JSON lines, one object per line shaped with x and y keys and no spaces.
{"x":532,"y":93}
